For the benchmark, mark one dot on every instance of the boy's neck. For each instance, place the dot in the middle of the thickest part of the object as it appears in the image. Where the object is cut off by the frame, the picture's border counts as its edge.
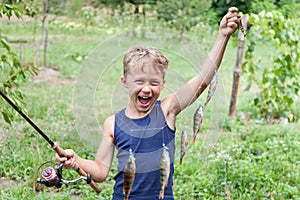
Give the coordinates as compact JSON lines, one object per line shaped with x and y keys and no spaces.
{"x":134,"y":113}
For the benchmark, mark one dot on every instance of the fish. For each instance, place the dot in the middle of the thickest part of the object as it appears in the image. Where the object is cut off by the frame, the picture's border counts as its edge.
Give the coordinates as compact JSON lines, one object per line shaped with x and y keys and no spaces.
{"x":183,"y":143}
{"x":129,"y":175}
{"x":198,"y":119}
{"x":212,"y":88}
{"x":164,"y":171}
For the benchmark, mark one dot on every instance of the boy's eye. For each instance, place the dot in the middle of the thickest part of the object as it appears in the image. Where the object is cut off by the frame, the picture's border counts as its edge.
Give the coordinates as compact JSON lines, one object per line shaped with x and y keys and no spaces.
{"x":155,"y":83}
{"x":139,"y":82}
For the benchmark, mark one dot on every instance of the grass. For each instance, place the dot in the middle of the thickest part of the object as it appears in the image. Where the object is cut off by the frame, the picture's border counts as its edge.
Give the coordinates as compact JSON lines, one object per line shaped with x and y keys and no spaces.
{"x":228,"y":161}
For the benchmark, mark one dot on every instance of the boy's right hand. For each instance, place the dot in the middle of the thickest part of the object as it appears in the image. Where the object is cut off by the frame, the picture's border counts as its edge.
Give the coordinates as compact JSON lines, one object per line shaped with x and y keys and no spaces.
{"x":68,"y":160}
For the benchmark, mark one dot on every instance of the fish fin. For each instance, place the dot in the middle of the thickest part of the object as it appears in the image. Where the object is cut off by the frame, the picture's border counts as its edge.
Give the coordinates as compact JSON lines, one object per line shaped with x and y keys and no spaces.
{"x":180,"y":162}
{"x":167,"y":181}
{"x":194,"y":140}
{"x":186,"y":144}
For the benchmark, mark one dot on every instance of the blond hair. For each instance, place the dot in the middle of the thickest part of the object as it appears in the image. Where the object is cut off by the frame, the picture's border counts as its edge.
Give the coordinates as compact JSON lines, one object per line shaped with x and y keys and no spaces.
{"x":140,"y":57}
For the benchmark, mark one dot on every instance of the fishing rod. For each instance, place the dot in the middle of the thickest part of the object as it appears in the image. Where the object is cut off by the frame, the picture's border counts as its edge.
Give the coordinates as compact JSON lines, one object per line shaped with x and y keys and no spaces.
{"x":50,"y":177}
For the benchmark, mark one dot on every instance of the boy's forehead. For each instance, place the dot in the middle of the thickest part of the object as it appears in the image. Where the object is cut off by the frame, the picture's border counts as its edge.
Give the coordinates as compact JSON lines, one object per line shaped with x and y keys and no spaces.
{"x":142,"y":70}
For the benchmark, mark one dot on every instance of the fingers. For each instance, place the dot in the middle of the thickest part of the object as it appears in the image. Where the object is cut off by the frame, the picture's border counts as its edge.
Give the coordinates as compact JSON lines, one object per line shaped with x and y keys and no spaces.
{"x":233,"y":24}
{"x":69,"y":160}
{"x":229,"y":22}
{"x":232,"y":14}
{"x":233,"y":9}
{"x":232,"y":17}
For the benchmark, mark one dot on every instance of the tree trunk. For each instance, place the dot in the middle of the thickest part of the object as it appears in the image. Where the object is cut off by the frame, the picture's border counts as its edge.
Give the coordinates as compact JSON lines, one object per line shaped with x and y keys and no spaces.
{"x":238,"y":67}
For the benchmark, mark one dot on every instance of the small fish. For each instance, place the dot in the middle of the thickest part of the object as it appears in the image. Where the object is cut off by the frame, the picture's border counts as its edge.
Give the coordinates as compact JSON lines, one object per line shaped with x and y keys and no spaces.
{"x":129,"y":175}
{"x":184,"y":143}
{"x":198,"y":118}
{"x":164,"y":171}
{"x":212,"y":88}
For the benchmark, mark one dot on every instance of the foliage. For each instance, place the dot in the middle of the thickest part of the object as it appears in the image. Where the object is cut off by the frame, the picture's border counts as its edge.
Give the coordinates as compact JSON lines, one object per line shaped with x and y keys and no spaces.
{"x":18,"y":8}
{"x":110,"y":3}
{"x":242,"y":166}
{"x":137,"y":2}
{"x":182,"y":15}
{"x":221,"y":6}
{"x":56,"y":7}
{"x":279,"y":84}
{"x":287,"y":7}
{"x":88,"y":14}
{"x":10,"y":9}
{"x":12,"y":72}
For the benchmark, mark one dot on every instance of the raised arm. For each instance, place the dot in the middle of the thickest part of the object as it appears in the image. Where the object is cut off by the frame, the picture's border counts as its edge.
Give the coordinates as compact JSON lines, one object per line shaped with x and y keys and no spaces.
{"x":185,"y":96}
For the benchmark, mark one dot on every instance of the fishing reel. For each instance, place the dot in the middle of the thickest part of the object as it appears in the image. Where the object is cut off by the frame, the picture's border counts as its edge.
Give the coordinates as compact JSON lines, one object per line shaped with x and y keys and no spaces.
{"x":53,"y":177}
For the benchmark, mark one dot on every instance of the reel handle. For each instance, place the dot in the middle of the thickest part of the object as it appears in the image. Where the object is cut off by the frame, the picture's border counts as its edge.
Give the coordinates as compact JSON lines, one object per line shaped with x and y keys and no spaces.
{"x":60,"y":151}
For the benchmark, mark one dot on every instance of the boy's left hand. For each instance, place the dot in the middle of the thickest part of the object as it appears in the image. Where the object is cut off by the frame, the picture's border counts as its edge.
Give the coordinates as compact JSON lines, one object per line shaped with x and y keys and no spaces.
{"x":230,"y":22}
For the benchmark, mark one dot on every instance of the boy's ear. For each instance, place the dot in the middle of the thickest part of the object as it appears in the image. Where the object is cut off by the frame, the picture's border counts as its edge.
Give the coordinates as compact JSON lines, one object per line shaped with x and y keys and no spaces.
{"x":123,"y":80}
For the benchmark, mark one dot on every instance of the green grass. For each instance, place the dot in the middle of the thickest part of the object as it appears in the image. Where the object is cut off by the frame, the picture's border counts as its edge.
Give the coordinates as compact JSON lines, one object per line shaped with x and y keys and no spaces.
{"x":228,"y":161}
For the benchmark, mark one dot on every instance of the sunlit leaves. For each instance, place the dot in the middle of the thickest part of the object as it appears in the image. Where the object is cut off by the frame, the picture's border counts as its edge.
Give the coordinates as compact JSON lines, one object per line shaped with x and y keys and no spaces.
{"x":279,"y":82}
{"x":9,"y":10}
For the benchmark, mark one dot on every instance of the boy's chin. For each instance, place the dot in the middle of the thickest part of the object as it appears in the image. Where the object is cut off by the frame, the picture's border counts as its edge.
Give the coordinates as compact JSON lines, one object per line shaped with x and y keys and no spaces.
{"x":144,"y":107}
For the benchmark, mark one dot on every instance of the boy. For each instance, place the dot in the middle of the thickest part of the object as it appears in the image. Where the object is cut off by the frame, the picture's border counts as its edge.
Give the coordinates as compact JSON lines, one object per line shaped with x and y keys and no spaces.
{"x":147,"y":124}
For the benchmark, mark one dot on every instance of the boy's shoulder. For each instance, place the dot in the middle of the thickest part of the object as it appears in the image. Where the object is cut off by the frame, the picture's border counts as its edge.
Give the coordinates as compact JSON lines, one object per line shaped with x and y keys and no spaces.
{"x":108,"y":126}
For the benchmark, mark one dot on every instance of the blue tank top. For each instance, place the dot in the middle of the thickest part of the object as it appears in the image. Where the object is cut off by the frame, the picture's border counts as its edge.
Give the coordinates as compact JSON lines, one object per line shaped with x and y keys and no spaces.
{"x":145,"y":137}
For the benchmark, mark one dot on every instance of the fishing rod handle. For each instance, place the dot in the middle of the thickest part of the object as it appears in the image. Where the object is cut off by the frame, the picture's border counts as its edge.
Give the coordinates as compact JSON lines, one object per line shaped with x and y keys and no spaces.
{"x":61,"y":152}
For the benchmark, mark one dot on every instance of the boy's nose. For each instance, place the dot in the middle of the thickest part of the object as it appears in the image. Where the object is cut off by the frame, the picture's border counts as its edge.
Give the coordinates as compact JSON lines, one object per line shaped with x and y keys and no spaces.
{"x":146,"y":88}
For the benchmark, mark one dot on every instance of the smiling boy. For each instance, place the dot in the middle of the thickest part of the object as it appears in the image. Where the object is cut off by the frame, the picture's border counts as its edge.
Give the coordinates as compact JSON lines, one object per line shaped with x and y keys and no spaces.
{"x":147,"y":123}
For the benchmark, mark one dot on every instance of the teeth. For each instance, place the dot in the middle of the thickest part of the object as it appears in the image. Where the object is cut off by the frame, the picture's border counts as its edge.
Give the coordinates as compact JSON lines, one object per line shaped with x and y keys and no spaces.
{"x":145,"y":98}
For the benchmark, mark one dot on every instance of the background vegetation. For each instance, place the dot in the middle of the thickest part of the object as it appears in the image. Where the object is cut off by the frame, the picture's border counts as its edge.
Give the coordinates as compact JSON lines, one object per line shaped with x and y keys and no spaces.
{"x":255,"y":156}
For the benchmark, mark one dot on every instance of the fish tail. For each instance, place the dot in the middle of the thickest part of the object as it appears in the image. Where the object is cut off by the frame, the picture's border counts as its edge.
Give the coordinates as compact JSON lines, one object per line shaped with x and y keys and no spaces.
{"x":194,"y":139}
{"x":180,"y":162}
{"x":186,"y":143}
{"x":161,"y":194}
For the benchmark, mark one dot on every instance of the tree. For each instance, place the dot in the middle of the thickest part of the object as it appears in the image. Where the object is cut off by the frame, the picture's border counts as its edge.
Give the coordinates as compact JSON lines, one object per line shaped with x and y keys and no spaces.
{"x":182,"y":15}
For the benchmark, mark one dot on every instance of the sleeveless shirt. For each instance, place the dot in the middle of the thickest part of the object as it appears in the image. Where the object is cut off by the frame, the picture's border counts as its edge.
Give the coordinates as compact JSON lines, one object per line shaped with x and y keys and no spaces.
{"x":145,"y":137}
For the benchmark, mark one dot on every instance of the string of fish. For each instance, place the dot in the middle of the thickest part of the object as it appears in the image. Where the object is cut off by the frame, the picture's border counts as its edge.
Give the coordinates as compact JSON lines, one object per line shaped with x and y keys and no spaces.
{"x":197,"y":119}
{"x":199,"y":113}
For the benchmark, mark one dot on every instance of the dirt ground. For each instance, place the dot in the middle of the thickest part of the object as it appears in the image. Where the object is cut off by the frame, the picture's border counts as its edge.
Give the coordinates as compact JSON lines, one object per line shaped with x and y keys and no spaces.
{"x":6,"y":183}
{"x":51,"y":77}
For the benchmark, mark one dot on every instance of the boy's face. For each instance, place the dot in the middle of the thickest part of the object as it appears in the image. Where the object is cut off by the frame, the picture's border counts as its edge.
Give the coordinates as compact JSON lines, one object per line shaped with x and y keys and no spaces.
{"x":144,"y":87}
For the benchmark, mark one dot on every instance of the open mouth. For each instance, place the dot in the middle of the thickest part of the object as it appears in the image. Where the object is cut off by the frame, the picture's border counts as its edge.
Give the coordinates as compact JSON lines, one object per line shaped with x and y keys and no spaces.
{"x":144,"y":101}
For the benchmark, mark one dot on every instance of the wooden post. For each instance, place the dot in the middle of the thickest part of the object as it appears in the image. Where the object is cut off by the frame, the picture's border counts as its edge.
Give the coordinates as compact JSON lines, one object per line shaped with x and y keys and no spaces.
{"x":45,"y":48}
{"x":43,"y":19}
{"x":238,"y":68}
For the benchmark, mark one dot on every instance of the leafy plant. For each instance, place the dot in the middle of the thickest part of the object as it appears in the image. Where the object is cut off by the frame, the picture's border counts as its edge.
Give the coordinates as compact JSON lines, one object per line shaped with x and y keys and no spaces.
{"x":278,"y":84}
{"x":10,"y":9}
{"x":12,"y":72}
